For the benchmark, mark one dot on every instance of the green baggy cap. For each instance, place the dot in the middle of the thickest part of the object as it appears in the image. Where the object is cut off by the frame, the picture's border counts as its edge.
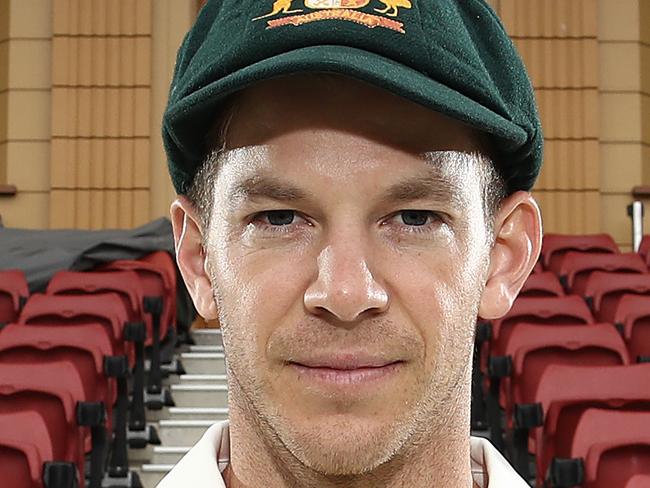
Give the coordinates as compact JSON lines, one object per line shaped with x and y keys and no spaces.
{"x":452,"y":56}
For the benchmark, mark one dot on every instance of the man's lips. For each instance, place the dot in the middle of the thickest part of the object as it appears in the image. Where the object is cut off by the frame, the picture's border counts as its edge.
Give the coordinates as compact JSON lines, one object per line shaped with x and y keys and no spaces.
{"x":345,"y":369}
{"x":344,"y":362}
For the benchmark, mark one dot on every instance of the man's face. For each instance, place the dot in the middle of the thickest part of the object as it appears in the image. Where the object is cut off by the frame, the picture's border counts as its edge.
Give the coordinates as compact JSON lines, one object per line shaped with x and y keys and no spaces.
{"x":347,"y":252}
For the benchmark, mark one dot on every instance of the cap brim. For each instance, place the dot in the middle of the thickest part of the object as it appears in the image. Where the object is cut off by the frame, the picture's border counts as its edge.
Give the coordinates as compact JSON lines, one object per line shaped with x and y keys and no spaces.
{"x":378,"y":70}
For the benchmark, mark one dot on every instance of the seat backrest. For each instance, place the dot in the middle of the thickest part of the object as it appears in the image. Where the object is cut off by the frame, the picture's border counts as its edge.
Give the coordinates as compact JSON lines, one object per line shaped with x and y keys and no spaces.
{"x":544,"y":284}
{"x":164,"y":262}
{"x":565,"y":392}
{"x":534,"y":348}
{"x":613,"y":443}
{"x":576,"y":266}
{"x":633,"y":314}
{"x":612,"y":463}
{"x":570,"y":309}
{"x":638,"y":481}
{"x":562,"y":386}
{"x":85,"y":349}
{"x":25,"y":444}
{"x":52,"y":390}
{"x":605,"y":290}
{"x":554,"y":246}
{"x":105,"y":308}
{"x":124,"y":283}
{"x":617,"y":427}
{"x":155,"y":283}
{"x":13,"y":288}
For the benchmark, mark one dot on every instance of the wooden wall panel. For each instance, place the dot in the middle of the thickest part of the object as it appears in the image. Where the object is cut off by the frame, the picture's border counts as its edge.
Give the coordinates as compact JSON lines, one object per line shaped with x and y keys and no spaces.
{"x":25,"y":101}
{"x":101,"y":107}
{"x":621,"y":44}
{"x":170,"y":21}
{"x":558,"y":42}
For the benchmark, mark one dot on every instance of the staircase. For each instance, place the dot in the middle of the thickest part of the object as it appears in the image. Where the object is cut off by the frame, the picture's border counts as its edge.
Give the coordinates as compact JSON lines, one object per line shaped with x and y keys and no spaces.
{"x":201,"y":398}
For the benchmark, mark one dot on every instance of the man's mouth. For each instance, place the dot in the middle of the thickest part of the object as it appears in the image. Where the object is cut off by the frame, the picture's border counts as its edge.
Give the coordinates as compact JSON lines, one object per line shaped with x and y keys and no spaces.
{"x":345,"y":369}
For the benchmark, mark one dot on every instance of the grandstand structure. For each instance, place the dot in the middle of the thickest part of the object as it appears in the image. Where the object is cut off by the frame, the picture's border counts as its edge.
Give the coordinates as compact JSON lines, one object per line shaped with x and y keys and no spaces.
{"x":98,"y":389}
{"x":114,"y":395}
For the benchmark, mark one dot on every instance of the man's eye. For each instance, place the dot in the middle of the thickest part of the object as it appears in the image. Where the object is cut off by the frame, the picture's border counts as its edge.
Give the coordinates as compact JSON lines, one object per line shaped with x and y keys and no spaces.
{"x":280,"y":217}
{"x":416,"y":218}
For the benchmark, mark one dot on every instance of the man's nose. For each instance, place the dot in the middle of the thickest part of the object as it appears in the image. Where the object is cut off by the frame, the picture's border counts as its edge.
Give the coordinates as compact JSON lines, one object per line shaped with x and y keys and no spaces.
{"x":345,"y":286}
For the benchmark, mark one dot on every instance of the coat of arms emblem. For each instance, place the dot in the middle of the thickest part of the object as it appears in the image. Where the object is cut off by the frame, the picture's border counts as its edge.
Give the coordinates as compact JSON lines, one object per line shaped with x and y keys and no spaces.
{"x":336,"y":10}
{"x":336,"y":3}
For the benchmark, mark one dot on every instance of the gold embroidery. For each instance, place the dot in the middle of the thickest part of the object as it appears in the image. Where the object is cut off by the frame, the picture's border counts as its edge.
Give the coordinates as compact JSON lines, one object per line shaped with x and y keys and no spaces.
{"x":283,"y":6}
{"x":393,"y":4}
{"x":316,"y":4}
{"x":368,"y":20}
{"x":337,"y":9}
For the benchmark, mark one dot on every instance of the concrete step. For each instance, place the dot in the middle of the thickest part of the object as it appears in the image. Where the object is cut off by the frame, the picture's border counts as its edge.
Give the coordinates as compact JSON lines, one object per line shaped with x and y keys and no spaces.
{"x":182,"y":432}
{"x":152,"y":474}
{"x":204,"y":362}
{"x":207,"y":337}
{"x":197,"y":413}
{"x":168,"y":455}
{"x":200,"y":395}
{"x":206,"y":348}
{"x":210,"y":379}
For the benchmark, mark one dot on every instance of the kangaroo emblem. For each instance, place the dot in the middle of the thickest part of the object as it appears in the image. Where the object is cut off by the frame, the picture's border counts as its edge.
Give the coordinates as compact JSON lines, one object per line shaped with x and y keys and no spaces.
{"x":283,"y":6}
{"x":392,"y":6}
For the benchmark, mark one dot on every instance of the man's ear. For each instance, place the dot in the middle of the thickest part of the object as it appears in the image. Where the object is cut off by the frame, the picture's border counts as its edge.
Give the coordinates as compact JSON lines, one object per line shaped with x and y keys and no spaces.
{"x":191,"y":257}
{"x":518,"y":242}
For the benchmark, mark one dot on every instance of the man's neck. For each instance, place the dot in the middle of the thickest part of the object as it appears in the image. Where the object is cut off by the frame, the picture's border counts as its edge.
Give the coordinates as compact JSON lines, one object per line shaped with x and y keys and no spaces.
{"x":434,"y":460}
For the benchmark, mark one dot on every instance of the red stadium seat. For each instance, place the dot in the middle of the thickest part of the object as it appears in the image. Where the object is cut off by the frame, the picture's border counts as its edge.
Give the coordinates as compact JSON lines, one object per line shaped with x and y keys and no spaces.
{"x":605,"y":290}
{"x":534,"y":347}
{"x":531,"y":348}
{"x":638,"y":481}
{"x":25,"y":444}
{"x":554,"y":246}
{"x":106,"y":309}
{"x":52,"y":390}
{"x":158,"y":297}
{"x":570,"y":309}
{"x":563,"y":393}
{"x":538,"y":267}
{"x":85,"y":348}
{"x":544,"y":284}
{"x":126,"y":284}
{"x":165,"y":263}
{"x":13,"y":292}
{"x":632,"y":316}
{"x":613,"y":444}
{"x":155,"y":283}
{"x":577,"y":266}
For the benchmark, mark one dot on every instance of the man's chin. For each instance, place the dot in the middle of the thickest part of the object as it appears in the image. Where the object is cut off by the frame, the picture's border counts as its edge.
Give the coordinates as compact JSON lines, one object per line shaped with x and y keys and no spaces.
{"x":342,"y":445}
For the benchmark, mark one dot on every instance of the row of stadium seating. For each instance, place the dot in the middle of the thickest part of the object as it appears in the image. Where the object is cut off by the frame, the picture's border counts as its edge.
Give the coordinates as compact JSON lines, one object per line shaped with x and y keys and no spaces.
{"x":560,"y":381}
{"x":74,"y":382}
{"x":563,"y":380}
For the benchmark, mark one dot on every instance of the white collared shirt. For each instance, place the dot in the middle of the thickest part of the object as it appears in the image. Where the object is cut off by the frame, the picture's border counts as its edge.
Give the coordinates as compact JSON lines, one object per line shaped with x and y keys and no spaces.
{"x":202,"y":466}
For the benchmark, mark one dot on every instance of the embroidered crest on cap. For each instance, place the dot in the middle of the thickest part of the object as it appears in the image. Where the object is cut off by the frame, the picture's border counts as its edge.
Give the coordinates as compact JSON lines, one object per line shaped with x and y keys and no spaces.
{"x":339,"y":10}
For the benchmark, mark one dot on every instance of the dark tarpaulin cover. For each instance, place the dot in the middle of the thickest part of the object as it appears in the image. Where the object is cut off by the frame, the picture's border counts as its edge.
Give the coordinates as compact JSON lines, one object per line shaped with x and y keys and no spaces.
{"x":41,"y":253}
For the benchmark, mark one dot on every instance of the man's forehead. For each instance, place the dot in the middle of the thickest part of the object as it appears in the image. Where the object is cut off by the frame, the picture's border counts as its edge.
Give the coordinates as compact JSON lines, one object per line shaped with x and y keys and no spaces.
{"x":252,"y":174}
{"x":271,"y":108}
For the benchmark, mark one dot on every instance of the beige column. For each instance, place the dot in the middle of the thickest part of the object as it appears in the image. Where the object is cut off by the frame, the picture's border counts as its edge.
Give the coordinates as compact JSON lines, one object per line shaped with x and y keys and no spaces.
{"x":624,"y":51}
{"x":171,"y":20}
{"x":25,"y":79}
{"x":101,"y":110}
{"x":558,"y":42}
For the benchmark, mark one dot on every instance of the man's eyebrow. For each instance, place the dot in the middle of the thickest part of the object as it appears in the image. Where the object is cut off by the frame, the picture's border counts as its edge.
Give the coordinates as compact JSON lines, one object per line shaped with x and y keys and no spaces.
{"x":266,"y":187}
{"x":430,"y":186}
